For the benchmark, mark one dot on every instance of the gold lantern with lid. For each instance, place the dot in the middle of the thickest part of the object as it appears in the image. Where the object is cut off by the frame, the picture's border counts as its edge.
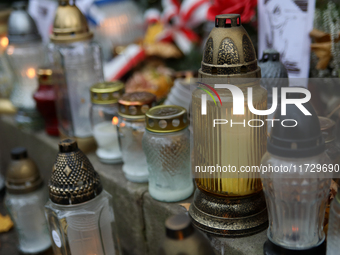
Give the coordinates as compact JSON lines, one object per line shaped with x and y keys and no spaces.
{"x":25,"y":199}
{"x":228,"y":202}
{"x":78,"y":65}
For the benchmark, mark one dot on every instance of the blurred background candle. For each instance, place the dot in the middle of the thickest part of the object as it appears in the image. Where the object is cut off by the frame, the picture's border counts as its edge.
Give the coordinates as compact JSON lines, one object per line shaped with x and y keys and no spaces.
{"x":25,"y":53}
{"x":104,"y":120}
{"x":45,"y":98}
{"x":25,"y":199}
{"x":77,"y":59}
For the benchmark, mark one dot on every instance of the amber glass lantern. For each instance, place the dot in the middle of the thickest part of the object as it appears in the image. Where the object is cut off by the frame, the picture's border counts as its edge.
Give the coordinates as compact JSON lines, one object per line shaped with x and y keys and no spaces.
{"x":228,"y":203}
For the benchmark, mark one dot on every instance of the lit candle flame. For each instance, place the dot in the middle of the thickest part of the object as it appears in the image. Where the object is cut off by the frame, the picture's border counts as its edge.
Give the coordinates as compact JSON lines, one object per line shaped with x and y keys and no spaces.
{"x":4,"y":42}
{"x":295,"y":229}
{"x":115,"y":120}
{"x":30,"y":73}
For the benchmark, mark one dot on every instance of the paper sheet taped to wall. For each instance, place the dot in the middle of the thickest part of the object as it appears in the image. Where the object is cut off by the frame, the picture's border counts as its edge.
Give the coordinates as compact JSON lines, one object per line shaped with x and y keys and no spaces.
{"x":285,"y":26}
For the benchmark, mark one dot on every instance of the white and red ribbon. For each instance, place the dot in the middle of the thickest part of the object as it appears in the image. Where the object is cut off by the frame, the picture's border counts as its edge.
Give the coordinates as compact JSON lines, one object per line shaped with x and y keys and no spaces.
{"x":178,"y":20}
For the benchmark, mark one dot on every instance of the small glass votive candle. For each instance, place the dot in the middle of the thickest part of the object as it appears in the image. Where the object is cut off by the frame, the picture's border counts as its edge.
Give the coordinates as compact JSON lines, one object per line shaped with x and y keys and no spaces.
{"x":166,"y":144}
{"x":104,"y":120}
{"x":131,"y":127}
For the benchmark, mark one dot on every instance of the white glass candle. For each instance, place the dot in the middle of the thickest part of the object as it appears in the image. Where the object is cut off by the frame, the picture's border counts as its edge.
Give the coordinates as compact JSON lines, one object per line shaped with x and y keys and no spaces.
{"x":131,"y":128}
{"x":106,"y":137}
{"x":27,"y":212}
{"x":104,"y":120}
{"x":89,"y":229}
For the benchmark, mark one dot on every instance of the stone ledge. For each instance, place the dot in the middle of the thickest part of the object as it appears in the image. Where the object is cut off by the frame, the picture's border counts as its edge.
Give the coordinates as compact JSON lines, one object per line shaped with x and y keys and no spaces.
{"x":140,"y":219}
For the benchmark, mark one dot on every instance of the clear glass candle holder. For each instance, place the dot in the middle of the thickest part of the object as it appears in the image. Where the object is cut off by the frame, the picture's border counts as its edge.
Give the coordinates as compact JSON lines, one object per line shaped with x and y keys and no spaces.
{"x":131,"y":128}
{"x":85,"y":228}
{"x":77,"y":60}
{"x":291,"y":197}
{"x":166,"y":144}
{"x":333,"y":235}
{"x":27,"y":213}
{"x":104,"y":120}
{"x":25,"y":199}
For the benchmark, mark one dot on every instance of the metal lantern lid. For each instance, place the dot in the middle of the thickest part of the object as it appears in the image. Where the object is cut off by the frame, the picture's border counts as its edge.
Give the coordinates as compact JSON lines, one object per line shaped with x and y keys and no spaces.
{"x":106,"y":92}
{"x":179,"y":227}
{"x":229,"y":51}
{"x":22,"y":174}
{"x":45,"y":76}
{"x":297,"y":141}
{"x":73,"y":178}
{"x":70,"y":24}
{"x":166,"y":119}
{"x":135,"y":105}
{"x":183,"y":238}
{"x":21,"y":26}
{"x":271,"y":66}
{"x":4,"y":15}
{"x":328,"y":129}
{"x":272,"y":69}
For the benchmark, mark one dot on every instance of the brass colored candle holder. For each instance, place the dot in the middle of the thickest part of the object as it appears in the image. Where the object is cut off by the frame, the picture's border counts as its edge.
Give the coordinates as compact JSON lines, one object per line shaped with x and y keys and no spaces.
{"x":225,"y":203}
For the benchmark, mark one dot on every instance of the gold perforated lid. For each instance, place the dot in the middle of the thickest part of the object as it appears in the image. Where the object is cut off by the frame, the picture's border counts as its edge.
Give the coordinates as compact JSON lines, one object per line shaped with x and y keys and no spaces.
{"x":229,"y":51}
{"x":166,"y":119}
{"x":73,"y":178}
{"x":106,"y":92}
{"x":45,"y":76}
{"x":135,"y":105}
{"x":70,"y":24}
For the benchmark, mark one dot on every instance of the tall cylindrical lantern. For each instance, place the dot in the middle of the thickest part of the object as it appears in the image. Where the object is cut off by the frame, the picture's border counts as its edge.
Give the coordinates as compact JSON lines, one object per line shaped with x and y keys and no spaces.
{"x":228,"y":203}
{"x":79,"y":211}
{"x":45,"y":98}
{"x":296,"y":184}
{"x":79,"y":65}
{"x":26,"y":54}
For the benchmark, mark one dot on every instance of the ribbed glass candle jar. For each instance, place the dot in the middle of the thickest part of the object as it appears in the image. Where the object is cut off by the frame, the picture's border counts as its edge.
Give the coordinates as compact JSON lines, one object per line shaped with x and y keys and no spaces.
{"x":166,"y":144}
{"x":131,"y":128}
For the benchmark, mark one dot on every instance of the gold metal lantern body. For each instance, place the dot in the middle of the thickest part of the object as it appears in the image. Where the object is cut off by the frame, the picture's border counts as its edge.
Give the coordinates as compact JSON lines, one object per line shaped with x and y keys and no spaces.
{"x":228,"y":202}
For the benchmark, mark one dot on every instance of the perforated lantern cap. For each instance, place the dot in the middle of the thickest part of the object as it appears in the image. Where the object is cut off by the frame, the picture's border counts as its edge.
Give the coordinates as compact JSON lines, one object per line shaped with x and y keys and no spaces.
{"x":70,"y":24}
{"x":45,"y":76}
{"x":106,"y":92}
{"x":166,"y":119}
{"x":73,"y":178}
{"x":135,"y":105}
{"x":229,"y":50}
